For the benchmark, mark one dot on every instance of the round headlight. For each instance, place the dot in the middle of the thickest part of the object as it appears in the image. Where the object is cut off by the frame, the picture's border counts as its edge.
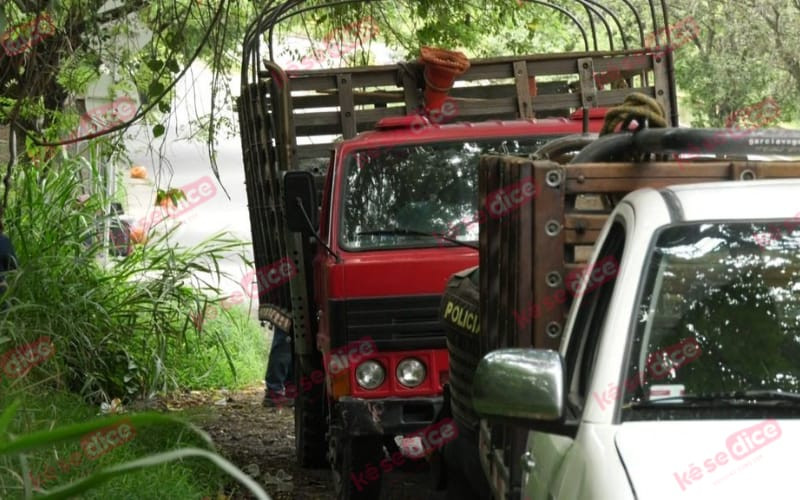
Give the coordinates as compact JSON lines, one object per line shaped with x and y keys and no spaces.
{"x":370,"y":374}
{"x":411,"y":372}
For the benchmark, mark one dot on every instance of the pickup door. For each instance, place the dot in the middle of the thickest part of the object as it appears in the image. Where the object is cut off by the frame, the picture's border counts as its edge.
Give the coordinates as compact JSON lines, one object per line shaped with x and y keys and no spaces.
{"x":556,"y":466}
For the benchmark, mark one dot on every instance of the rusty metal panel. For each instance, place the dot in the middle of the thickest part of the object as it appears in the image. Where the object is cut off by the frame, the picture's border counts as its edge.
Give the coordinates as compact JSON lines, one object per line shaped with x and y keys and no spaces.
{"x":626,"y":177}
{"x":506,"y":325}
{"x":522,"y":83}
{"x":523,"y":287}
{"x":489,"y":243}
{"x":411,"y":92}
{"x":548,"y":254}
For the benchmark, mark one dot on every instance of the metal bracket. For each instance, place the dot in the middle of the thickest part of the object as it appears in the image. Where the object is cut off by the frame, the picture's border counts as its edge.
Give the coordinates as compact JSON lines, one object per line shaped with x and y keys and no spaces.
{"x":586,"y":76}
{"x":408,"y":80}
{"x":347,"y":113}
{"x":661,"y":83}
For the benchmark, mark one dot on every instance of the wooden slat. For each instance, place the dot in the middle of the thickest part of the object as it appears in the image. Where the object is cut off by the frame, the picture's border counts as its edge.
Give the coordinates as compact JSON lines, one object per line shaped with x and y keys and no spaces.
{"x":329,"y":99}
{"x":630,"y":63}
{"x":584,"y":221}
{"x":314,"y":151}
{"x":575,"y":237}
{"x":326,"y":122}
{"x":347,"y":111}
{"x":322,"y":81}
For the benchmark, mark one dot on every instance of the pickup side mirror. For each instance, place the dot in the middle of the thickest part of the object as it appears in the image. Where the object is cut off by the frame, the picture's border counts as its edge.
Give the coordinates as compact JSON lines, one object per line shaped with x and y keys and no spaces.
{"x":299,"y":185}
{"x":520,"y":386}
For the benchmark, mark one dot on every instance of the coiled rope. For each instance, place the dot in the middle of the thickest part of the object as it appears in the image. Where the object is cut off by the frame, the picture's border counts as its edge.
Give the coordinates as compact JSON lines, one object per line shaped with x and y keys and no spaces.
{"x":644,"y":109}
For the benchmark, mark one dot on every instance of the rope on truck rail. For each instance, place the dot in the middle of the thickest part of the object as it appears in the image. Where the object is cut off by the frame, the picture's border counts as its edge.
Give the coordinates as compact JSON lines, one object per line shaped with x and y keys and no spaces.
{"x":636,"y":106}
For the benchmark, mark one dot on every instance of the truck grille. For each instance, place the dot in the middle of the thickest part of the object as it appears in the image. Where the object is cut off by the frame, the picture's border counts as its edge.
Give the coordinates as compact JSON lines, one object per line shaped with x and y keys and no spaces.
{"x":394,"y":323}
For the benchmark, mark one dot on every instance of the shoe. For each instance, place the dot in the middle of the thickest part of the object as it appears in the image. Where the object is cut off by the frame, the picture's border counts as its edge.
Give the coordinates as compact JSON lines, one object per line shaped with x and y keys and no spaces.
{"x":276,"y":400}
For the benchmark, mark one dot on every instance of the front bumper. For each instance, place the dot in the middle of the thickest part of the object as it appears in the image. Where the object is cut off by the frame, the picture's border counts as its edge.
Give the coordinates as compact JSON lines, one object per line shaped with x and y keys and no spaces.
{"x":386,"y":416}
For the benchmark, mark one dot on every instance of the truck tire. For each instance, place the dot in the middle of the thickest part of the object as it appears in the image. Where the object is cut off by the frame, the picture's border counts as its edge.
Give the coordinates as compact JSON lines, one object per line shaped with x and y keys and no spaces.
{"x":460,"y":317}
{"x":356,"y":457}
{"x":310,"y":425}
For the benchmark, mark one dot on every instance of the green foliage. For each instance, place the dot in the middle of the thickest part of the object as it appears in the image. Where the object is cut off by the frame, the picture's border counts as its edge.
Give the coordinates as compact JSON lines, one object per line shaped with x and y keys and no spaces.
{"x":118,"y":328}
{"x":34,"y":449}
{"x":206,"y":366}
{"x":478,"y":28}
{"x":171,"y":196}
{"x":745,"y":52}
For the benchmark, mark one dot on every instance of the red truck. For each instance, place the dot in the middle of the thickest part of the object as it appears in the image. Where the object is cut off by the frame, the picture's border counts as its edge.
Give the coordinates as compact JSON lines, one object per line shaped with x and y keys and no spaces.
{"x":375,"y":202}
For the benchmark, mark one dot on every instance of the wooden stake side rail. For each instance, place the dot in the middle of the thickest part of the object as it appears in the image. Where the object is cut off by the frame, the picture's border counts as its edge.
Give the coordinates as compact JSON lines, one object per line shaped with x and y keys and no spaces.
{"x":528,"y":254}
{"x":345,"y":101}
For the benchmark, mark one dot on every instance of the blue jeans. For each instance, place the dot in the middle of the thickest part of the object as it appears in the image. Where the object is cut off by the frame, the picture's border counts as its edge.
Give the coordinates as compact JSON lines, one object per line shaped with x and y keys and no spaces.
{"x":279,"y":366}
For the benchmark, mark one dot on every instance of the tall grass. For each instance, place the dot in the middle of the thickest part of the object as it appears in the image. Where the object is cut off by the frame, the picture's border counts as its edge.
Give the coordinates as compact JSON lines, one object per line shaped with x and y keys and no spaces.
{"x":42,"y":449}
{"x":120,"y":328}
{"x":245,"y":342}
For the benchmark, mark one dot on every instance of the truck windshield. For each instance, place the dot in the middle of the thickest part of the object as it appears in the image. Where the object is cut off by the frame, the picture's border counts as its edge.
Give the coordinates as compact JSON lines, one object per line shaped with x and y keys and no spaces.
{"x":718,"y":322}
{"x":394,"y":194}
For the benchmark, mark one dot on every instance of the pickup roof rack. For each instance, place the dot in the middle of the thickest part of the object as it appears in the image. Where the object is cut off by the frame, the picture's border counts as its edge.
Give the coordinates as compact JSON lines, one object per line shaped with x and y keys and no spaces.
{"x":291,"y":119}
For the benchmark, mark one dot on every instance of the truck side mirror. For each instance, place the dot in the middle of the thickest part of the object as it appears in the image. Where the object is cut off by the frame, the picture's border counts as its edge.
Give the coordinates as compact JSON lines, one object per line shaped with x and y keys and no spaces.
{"x":522,"y":386}
{"x":300,"y":217}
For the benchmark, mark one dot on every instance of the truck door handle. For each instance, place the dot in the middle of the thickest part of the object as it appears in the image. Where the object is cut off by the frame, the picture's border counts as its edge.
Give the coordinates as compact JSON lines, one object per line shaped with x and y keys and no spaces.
{"x":528,"y":462}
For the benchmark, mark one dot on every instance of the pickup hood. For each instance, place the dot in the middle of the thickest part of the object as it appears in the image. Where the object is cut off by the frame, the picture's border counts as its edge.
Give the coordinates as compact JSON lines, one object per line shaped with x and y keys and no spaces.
{"x":723,"y":459}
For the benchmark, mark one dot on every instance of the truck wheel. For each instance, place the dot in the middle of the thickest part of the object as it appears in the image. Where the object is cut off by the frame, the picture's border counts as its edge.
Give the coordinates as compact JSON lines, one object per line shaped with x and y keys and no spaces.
{"x":356,"y":470}
{"x":310,"y":424}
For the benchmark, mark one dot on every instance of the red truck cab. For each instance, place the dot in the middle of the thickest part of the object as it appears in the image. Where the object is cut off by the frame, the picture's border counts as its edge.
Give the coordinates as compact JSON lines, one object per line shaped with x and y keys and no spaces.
{"x":399,"y":216}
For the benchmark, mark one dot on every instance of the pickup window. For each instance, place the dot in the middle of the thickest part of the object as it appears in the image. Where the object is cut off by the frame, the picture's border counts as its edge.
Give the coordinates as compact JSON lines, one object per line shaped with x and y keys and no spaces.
{"x":718,"y":317}
{"x":432,"y":188}
{"x":582,"y":353}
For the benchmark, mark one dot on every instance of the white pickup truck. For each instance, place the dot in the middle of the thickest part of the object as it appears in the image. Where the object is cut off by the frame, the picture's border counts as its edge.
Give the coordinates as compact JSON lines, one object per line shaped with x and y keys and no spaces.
{"x":678,"y":373}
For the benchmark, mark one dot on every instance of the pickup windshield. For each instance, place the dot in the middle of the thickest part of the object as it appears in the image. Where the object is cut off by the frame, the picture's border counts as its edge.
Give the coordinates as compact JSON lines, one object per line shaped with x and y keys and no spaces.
{"x":404,"y":196}
{"x":718,"y":322}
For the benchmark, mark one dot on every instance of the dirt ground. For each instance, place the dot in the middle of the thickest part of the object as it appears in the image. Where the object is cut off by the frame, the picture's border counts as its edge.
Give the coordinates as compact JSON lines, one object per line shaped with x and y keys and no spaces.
{"x":260,"y":441}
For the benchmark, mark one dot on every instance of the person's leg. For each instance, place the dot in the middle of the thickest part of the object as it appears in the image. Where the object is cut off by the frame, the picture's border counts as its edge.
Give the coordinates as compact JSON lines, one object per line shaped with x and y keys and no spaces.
{"x":279,"y":365}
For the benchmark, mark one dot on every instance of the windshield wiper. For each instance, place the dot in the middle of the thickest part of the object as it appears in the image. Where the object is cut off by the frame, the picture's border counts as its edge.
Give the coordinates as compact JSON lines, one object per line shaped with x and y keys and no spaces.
{"x":769,"y":395}
{"x":415,"y":232}
{"x":736,"y":398}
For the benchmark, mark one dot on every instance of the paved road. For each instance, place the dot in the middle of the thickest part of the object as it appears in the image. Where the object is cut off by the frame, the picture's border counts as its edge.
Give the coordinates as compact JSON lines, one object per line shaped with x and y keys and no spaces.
{"x":185,"y":162}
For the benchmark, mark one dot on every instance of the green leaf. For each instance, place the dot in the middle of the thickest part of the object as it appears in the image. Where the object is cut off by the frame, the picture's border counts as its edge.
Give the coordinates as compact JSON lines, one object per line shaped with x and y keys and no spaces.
{"x":44,"y":438}
{"x":174,"y":41}
{"x":73,"y":489}
{"x":5,"y":418}
{"x":164,"y":106}
{"x":155,"y":64}
{"x":155,"y":89}
{"x":173,"y":66}
{"x":158,"y":130}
